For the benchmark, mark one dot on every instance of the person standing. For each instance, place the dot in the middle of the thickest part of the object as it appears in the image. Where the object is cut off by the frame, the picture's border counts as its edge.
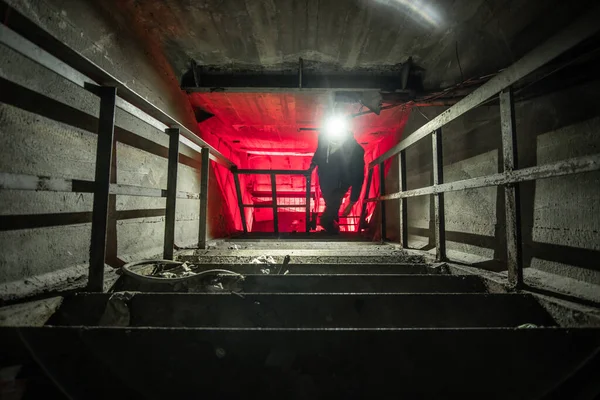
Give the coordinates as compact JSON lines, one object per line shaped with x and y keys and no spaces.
{"x":341,"y":166}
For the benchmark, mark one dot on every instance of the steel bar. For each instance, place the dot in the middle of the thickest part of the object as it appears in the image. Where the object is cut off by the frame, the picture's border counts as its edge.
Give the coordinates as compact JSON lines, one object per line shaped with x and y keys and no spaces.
{"x":512,"y":206}
{"x":171,"y":203}
{"x":238,"y":191}
{"x":104,"y":153}
{"x":568,"y":37}
{"x":566,"y":167}
{"x":271,"y":205}
{"x":308,"y":193}
{"x":272,"y":171}
{"x":363,"y":211}
{"x":274,"y":201}
{"x":382,"y":205}
{"x":204,"y":176}
{"x":402,"y":203}
{"x":439,"y":225}
{"x":19,"y":33}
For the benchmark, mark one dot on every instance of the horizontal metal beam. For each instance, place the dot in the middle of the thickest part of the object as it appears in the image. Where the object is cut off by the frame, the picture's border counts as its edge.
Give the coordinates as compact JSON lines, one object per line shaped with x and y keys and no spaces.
{"x":49,"y":184}
{"x":247,"y":81}
{"x":576,"y":32}
{"x":18,"y":32}
{"x":270,"y":205}
{"x":273,"y":171}
{"x":567,"y":167}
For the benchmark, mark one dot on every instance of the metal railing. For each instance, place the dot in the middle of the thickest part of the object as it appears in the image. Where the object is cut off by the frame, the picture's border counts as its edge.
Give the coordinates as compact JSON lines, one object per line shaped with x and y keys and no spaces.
{"x":26,"y":38}
{"x":273,"y":174}
{"x":583,"y":28}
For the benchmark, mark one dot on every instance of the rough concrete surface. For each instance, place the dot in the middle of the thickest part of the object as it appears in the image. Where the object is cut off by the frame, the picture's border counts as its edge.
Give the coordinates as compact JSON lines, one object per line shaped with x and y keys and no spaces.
{"x":48,"y":127}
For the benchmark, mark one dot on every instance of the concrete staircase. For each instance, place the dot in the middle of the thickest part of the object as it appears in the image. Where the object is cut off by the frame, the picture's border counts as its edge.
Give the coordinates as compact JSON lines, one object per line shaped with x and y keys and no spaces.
{"x":311,"y":328}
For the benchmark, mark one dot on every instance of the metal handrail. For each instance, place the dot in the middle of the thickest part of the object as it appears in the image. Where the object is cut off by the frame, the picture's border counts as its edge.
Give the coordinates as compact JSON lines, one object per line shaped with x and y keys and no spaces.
{"x":501,"y":84}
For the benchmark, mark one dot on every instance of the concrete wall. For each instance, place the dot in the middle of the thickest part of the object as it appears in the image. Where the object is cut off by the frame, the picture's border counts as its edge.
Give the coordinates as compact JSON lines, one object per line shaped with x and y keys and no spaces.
{"x":560,"y":216}
{"x":48,"y":127}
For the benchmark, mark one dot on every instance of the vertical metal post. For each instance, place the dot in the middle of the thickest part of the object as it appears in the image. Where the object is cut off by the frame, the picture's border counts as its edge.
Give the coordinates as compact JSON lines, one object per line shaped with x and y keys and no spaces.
{"x":238,"y":191}
{"x":511,"y":191}
{"x":403,"y":202}
{"x":438,"y":198}
{"x":104,"y":153}
{"x":171,"y":203}
{"x":308,"y":193}
{"x":274,"y":197}
{"x":363,"y":211}
{"x":382,"y":203}
{"x":204,"y":174}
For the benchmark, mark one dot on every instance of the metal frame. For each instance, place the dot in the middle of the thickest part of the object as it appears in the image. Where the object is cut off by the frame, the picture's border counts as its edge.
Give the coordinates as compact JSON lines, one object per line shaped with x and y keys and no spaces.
{"x":583,"y":28}
{"x":18,"y":33}
{"x":273,"y":174}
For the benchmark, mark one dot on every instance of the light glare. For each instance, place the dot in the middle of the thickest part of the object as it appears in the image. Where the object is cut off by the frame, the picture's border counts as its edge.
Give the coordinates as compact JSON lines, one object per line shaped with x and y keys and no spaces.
{"x":336,"y":126}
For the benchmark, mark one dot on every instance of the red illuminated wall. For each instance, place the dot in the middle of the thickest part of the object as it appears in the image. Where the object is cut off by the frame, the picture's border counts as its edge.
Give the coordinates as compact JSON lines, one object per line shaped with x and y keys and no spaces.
{"x":262,"y":131}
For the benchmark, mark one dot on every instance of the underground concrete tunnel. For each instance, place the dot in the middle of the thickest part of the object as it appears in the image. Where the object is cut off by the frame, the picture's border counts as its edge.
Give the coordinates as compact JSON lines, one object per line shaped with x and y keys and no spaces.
{"x":160,"y":221}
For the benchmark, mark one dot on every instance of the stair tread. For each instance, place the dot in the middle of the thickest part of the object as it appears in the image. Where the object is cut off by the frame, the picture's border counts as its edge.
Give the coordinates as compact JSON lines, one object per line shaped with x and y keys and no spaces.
{"x":317,"y":283}
{"x":310,"y":310}
{"x":133,"y":362}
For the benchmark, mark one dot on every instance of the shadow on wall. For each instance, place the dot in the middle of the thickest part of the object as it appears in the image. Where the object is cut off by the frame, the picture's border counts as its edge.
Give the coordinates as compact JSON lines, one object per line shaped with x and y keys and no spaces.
{"x":25,"y":99}
{"x":549,"y":129}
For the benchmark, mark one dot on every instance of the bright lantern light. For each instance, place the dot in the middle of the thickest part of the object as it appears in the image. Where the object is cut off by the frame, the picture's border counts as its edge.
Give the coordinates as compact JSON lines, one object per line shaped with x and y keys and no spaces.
{"x":336,"y":127}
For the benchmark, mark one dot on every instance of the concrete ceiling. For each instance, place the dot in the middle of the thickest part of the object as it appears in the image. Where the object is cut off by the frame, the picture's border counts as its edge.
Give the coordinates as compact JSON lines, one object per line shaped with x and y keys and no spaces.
{"x":485,"y":35}
{"x":450,"y":40}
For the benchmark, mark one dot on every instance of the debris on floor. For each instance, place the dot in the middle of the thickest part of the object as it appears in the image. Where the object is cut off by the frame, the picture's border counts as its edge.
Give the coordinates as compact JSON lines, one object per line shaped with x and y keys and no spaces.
{"x":235,"y":247}
{"x":116,"y":312}
{"x":265,"y":271}
{"x":263,"y":260}
{"x":527,"y":326}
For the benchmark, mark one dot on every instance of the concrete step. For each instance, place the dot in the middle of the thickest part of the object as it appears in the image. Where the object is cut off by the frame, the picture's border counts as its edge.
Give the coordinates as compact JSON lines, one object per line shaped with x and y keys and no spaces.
{"x":389,"y":268}
{"x":159,"y":363}
{"x":301,"y":310}
{"x":314,"y":283}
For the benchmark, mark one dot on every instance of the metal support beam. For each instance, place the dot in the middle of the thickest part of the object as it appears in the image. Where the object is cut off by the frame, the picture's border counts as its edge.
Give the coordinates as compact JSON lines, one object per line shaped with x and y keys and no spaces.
{"x":308,"y":193}
{"x":512,"y":206}
{"x":171,"y":203}
{"x":382,"y":205}
{"x":274,"y":198}
{"x":104,"y":153}
{"x":363,"y":211}
{"x":271,"y":171}
{"x":204,"y":176}
{"x":438,"y":198}
{"x":568,"y":37}
{"x":402,"y":203}
{"x":238,"y":191}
